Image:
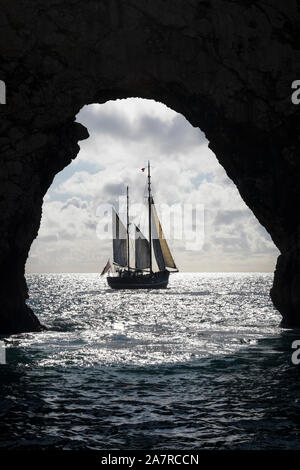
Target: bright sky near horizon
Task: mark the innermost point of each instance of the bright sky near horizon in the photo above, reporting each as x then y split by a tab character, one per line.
124	134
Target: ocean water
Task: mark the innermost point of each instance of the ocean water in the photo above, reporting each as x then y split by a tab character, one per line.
200	365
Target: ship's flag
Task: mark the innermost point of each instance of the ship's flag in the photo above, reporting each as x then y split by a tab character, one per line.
106	268
143	169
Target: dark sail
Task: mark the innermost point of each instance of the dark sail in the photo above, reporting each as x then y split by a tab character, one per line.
119	241
106	268
162	251
142	251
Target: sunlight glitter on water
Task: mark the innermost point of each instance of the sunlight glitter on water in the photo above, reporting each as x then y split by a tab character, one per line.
197	316
202	364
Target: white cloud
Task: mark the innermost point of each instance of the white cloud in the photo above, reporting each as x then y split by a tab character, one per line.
123	135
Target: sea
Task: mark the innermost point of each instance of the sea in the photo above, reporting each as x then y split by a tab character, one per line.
200	365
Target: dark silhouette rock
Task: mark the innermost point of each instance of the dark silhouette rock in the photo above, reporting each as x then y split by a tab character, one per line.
226	66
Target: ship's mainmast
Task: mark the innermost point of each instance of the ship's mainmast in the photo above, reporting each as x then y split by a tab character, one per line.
149	216
128	259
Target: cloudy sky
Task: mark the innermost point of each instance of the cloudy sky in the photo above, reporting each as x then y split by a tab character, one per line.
211	228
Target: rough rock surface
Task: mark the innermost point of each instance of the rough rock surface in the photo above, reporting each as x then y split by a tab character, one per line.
227	65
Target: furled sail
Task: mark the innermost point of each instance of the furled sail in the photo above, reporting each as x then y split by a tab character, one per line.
161	249
119	241
142	250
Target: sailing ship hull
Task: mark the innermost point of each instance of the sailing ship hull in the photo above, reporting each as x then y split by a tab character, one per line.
132	280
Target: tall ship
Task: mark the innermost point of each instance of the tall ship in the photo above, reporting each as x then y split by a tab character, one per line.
141	275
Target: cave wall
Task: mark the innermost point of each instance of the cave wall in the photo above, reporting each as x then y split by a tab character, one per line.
226	66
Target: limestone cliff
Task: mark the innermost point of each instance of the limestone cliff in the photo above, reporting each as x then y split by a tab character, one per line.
226	65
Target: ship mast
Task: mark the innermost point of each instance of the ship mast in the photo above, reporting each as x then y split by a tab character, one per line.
128	262
149	216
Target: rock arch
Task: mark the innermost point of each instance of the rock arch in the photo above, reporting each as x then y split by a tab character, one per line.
226	66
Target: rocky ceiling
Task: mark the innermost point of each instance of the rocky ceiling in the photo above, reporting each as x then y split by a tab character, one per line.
227	66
